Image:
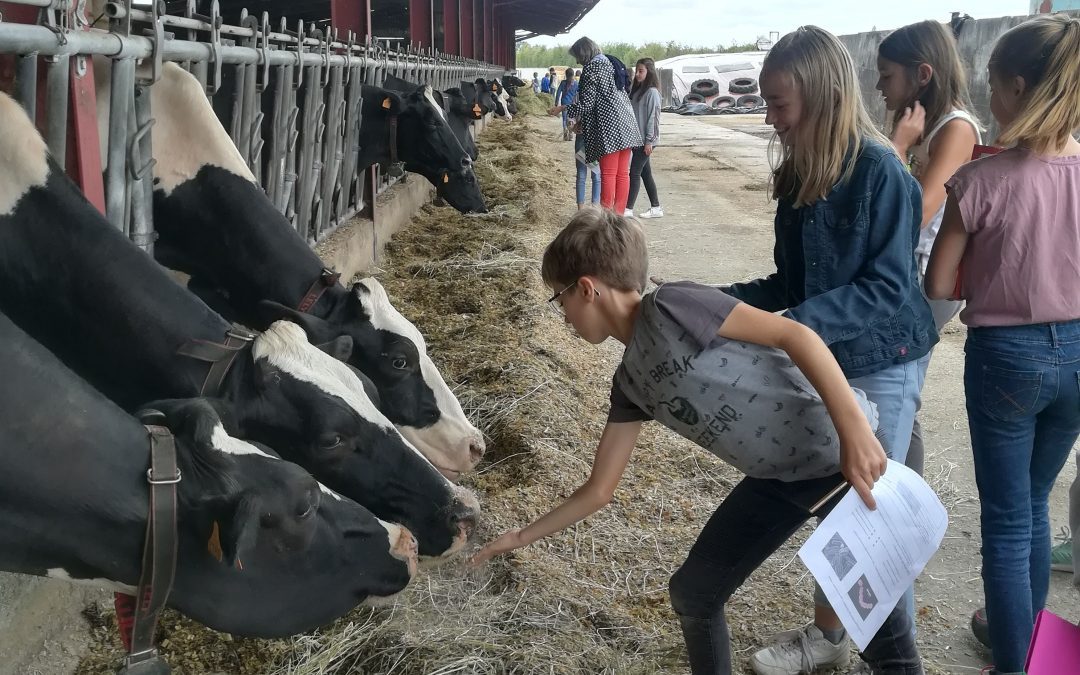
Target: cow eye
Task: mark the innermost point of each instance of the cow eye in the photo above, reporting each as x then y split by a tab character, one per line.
400	363
329	441
304	511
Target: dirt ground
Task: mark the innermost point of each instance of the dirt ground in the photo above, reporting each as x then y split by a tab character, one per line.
711	174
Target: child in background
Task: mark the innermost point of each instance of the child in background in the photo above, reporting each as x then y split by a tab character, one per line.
565	95
924	85
734	380
1014	221
847	221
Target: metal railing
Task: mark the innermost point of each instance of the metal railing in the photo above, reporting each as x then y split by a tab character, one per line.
292	95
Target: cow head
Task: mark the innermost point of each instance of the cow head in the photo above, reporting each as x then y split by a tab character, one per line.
466	102
258	533
491	93
426	144
391	351
319	413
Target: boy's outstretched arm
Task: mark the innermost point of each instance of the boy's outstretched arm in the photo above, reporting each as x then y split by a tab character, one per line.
612	455
862	460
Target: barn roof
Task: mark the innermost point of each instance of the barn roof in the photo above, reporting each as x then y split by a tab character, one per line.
543	17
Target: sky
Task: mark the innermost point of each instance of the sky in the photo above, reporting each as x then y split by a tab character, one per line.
719	22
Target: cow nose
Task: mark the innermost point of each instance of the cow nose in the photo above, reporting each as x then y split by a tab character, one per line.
466	512
476	450
406	549
466	162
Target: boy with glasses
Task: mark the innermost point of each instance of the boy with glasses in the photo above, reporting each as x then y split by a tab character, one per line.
759	391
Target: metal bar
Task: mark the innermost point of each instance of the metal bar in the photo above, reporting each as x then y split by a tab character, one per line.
139	176
123	82
332	150
25	39
26	83
348	181
56	107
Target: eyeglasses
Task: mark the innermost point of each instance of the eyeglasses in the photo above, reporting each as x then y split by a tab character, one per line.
555	304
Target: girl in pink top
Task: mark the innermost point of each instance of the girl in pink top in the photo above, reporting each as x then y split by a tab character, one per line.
1014	221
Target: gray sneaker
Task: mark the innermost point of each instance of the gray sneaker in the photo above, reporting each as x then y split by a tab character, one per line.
803	650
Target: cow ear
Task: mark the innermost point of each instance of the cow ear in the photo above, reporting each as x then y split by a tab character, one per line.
438	96
239	532
318	330
340	348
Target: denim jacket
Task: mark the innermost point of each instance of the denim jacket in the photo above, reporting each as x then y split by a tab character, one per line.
861	283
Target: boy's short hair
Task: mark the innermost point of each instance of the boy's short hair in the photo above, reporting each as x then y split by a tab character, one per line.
598	243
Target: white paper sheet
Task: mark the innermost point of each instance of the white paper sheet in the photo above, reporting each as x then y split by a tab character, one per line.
865	560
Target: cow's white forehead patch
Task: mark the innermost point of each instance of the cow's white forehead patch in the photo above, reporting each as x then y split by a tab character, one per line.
434	104
285	346
223	442
24	160
384	316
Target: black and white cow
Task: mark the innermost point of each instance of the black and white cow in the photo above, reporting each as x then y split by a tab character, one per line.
462	105
491	95
216	224
424	142
506	93
74	502
83	290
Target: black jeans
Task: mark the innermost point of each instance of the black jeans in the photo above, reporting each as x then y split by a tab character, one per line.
641	168
756	518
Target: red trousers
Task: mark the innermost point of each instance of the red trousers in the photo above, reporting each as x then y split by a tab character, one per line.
615	180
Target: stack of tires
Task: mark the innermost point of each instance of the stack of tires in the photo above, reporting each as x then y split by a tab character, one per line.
742	93
745	94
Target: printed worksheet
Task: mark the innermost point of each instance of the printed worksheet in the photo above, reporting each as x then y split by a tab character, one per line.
865	560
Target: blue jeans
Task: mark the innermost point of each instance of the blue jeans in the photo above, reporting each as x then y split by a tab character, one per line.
1022	385
583	172
897	393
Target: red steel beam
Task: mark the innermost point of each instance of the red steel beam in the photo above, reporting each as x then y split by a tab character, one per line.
354	15
451	27
478	28
465	28
489	42
421	30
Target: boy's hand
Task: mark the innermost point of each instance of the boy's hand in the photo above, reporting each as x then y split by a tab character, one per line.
504	544
862	461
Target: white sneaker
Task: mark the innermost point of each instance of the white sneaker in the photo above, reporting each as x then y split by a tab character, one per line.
803	650
654	212
628	213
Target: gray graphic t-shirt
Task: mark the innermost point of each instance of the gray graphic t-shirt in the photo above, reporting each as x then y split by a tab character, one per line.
747	404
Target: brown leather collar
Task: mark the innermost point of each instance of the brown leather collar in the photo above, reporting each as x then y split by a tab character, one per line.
326	279
219	356
159	553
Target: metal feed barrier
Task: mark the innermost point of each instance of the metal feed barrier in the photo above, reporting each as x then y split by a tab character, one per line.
290	98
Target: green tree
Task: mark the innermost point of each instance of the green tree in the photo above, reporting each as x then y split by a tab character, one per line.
538	56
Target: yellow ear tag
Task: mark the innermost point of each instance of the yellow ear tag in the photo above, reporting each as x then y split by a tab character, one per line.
445	178
386	103
213	544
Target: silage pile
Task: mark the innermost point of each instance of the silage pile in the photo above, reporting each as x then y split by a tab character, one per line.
590	600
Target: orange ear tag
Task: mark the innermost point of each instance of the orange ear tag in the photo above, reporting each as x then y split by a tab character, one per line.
494	87
213	544
386	103
476	108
